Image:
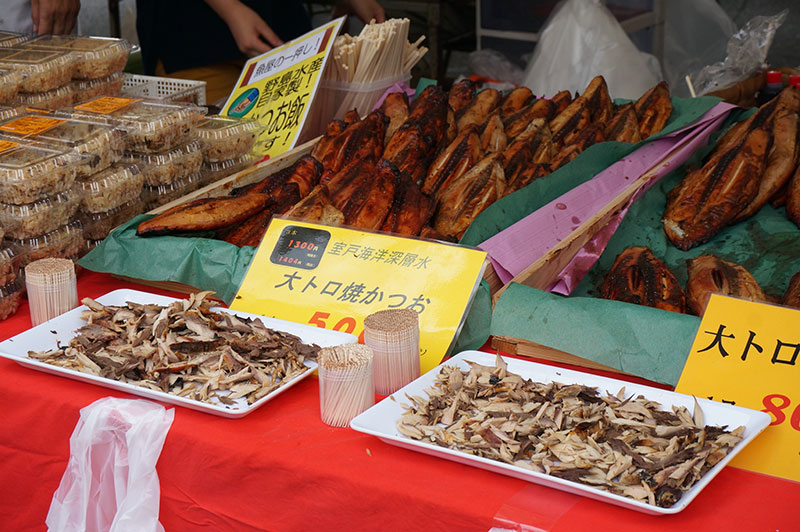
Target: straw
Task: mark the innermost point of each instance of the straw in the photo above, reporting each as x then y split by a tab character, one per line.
393	336
52	288
345	383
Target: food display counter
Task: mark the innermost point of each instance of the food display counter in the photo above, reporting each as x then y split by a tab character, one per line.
282	468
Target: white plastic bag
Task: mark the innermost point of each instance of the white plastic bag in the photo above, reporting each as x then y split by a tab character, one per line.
581	40
110	483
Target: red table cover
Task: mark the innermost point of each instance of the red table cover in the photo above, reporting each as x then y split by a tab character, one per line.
281	469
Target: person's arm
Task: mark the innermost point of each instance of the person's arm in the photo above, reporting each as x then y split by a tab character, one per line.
54	17
252	35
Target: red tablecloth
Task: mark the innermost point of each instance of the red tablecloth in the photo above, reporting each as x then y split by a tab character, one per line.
280	468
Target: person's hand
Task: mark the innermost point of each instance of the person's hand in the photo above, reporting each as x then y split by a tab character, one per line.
252	35
366	10
54	17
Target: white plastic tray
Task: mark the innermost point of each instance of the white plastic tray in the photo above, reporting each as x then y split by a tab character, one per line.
45	335
381	419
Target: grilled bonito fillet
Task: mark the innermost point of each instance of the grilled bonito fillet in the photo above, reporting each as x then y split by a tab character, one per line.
518	122
305	172
528	175
360	140
598	99
640	277
515	100
411	209
479	109
395	107
205	214
456	159
569	123
653	109
709	198
493	138
368	205
323	145
461	94
560	102
251	231
317	207
792	296
469	195
624	127
709	274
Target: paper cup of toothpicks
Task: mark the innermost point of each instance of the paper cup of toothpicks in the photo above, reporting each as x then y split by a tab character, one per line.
52	288
345	383
393	336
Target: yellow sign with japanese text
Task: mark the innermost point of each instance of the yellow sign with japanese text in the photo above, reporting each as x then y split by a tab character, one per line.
747	354
334	277
278	87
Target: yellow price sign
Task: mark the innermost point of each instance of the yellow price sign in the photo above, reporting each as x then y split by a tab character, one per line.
277	88
748	354
334	277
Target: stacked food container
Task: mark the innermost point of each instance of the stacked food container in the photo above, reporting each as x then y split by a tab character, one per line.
227	146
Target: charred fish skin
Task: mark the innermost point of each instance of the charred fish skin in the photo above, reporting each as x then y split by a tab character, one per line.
460	94
624	126
360	140
653	109
792	296
708	199
710	274
459	156
639	277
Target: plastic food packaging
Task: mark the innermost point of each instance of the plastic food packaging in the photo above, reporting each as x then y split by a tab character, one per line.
8	111
152	127
95	57
52	288
29	172
97	225
111	483
10	296
393	335
42	216
345	383
87	89
156	196
10	84
65	242
96	145
111	187
53	99
9	265
10	38
338	97
42	70
227	138
220	170
164	168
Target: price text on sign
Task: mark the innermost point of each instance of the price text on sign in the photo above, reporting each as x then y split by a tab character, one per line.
748	354
277	88
333	277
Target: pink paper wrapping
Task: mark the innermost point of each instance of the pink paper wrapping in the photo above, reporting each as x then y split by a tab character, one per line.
518	246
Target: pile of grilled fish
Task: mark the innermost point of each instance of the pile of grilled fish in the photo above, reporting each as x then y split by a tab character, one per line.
639	277
427	168
754	163
628	446
184	349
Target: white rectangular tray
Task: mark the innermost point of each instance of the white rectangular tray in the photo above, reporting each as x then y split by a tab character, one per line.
381	421
62	329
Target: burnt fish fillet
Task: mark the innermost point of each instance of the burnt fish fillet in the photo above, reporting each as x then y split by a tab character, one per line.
709	274
708	199
460	94
459	156
640	277
653	109
624	126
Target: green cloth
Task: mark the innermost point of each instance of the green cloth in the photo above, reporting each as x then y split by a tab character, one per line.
648	342
199	262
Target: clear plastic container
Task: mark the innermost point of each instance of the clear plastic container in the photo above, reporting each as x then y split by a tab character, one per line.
10	38
10	84
216	171
110	188
42	70
53	99
99	145
91	244
227	138
42	216
162	194
164	168
86	89
29	172
7	112
95	57
9	265
10	296
153	127
97	225
64	242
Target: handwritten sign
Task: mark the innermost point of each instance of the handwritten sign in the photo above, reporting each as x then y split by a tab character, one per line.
277	88
747	354
334	277
30	125
105	105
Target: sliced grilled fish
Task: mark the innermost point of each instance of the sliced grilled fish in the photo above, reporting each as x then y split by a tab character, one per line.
639	277
710	274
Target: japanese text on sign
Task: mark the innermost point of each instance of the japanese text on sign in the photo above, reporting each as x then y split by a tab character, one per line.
746	354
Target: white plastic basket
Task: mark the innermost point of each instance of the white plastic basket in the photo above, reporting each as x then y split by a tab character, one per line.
164	89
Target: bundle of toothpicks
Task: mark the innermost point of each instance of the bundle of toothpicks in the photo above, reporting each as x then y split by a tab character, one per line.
361	68
345	383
